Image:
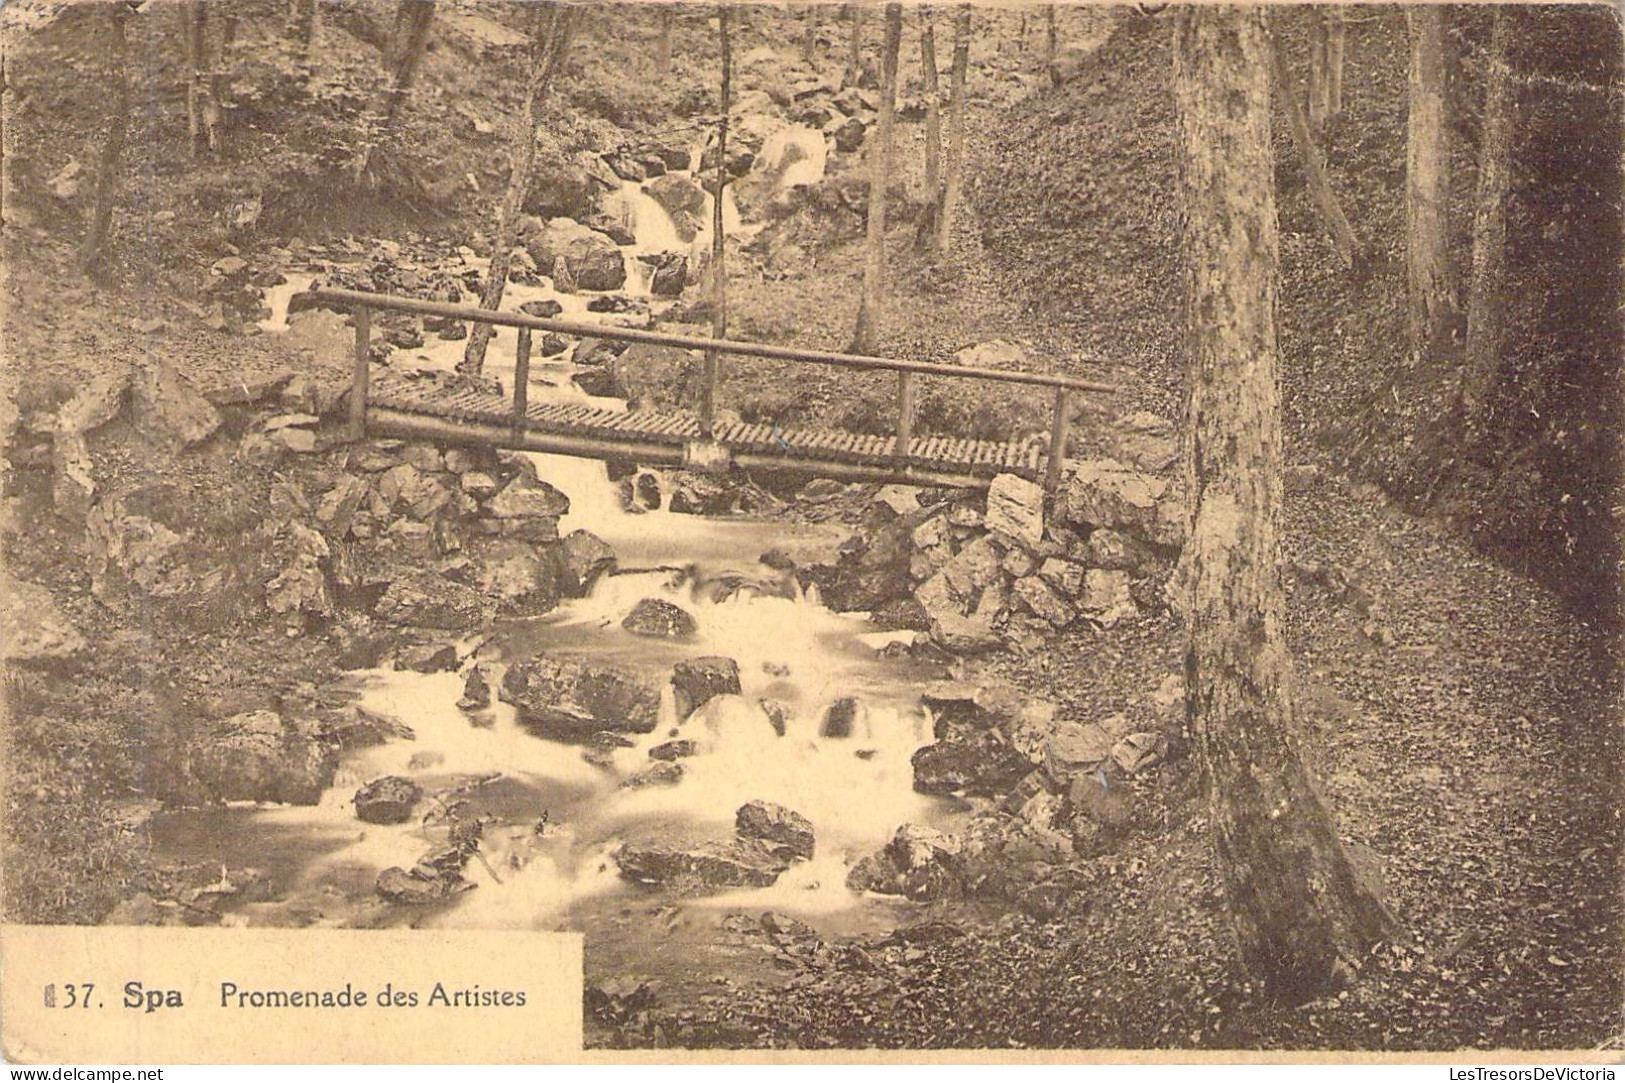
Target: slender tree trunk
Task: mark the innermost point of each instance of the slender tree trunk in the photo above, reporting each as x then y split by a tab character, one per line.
809	34
933	130
1336	46
874	266
1318	73
1049	36
1298	909
954	173
1314	168
854	52
554	24
194	32
219	77
1431	276
719	247
305	29
407	44
107	165
668	20
1486	292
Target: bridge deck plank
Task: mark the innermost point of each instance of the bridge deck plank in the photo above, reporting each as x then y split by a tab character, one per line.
433	398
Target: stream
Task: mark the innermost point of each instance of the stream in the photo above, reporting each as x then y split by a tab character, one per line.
321	862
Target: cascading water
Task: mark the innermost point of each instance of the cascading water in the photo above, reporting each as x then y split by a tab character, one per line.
856	790
278	297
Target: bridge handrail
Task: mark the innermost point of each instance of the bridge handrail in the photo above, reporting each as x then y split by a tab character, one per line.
691	342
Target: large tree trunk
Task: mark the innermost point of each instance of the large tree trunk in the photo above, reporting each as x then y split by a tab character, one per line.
719	246
933	131
1486	292
1314	167
880	157
554	24
954	174
1432	305
1297	906
107	164
407	44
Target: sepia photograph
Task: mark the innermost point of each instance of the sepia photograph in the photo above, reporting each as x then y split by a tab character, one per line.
860	526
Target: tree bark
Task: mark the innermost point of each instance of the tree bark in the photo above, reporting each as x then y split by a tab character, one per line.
107	164
874	266
1486	291
933	130
953	178
854	52
407	44
1299	912
1431	278
1314	167
719	248
554	25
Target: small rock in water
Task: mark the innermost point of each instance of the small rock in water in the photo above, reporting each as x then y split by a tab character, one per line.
659	618
673	750
778	713
840	718
387	800
427	658
543	310
476	691
663	773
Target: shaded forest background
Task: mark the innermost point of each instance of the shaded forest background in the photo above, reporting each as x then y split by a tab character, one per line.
1073	189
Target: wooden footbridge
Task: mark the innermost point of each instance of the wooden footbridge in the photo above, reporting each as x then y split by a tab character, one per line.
394	404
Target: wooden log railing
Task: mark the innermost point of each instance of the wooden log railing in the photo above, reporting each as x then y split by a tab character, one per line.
362	305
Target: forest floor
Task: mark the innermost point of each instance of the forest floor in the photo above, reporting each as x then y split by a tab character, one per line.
1462	720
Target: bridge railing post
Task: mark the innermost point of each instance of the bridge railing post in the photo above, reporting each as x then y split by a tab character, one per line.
708	395
1057	441
521	382
358	383
905	417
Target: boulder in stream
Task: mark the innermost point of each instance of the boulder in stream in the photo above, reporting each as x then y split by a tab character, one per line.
983	765
259	756
387	800
572	699
695	681
591	260
583	557
658	618
700	868
790	832
919	862
841	718
476	691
